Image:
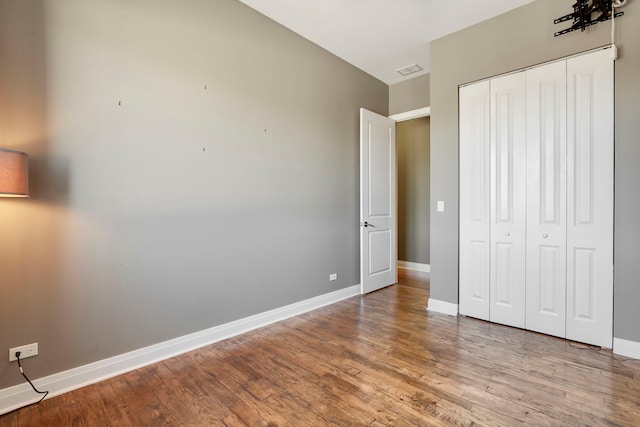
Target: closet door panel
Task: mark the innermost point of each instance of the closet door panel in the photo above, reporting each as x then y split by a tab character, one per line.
590	199
546	199
474	200
508	171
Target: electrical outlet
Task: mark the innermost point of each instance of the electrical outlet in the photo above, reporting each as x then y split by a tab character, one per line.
28	350
333	276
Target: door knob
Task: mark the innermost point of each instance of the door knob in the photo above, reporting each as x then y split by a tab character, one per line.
366	224
507	234
545	235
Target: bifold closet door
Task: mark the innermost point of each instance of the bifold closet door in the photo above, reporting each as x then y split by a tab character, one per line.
536	199
475	192
546	198
590	135
508	189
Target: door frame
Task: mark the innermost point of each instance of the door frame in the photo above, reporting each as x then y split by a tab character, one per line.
403	117
410	115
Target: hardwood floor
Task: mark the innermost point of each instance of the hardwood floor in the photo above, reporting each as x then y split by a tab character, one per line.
377	360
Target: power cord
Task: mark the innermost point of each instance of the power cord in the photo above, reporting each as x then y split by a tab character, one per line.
615	4
44	393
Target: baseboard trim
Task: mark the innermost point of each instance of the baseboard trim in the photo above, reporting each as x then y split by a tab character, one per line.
17	396
443	307
414	266
626	348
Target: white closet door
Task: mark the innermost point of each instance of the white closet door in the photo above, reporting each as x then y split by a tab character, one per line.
546	199
508	171
474	200
590	199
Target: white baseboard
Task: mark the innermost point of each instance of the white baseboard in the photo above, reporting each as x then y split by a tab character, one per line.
442	307
626	348
17	396
414	266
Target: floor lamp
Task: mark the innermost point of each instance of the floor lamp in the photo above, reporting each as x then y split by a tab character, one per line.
14	173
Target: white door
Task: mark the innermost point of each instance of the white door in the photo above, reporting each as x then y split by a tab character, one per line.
550	199
378	202
508	172
590	198
546	198
475	188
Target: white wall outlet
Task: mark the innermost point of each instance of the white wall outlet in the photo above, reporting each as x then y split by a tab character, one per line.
333	276
28	350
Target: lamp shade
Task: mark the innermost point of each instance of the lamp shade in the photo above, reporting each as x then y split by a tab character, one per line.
14	173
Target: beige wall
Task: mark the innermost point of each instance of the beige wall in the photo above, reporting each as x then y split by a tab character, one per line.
409	95
413	190
193	163
518	39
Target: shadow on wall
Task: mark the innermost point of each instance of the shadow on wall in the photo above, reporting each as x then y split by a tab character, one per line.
31	229
170	192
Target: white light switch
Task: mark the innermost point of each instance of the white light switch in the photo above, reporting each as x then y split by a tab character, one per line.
440	206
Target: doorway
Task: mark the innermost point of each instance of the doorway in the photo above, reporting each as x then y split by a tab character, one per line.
413	154
378	196
413	151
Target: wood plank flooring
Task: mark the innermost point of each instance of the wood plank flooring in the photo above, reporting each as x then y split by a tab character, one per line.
377	360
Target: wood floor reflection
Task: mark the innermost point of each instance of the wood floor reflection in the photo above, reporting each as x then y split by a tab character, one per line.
380	359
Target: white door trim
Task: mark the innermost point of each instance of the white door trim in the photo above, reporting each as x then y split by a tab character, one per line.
410	115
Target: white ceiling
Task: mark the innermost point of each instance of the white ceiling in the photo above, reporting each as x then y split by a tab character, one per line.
380	36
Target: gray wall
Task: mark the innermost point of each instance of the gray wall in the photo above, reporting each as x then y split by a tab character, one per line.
409	94
413	190
509	42
193	163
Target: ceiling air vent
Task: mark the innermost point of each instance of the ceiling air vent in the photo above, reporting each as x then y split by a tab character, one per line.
413	68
